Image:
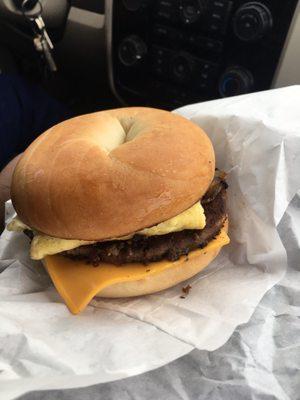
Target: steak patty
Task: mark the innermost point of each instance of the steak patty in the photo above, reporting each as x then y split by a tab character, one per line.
171	246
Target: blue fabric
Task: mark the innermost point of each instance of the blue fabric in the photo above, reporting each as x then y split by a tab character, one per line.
25	112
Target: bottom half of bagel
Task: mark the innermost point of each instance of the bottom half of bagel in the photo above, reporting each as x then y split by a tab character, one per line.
78	282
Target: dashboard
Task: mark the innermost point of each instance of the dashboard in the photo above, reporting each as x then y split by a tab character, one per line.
168	53
162	53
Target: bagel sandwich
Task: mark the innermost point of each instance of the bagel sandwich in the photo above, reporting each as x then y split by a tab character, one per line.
120	203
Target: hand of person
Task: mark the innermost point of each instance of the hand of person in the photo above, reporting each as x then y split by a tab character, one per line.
5	182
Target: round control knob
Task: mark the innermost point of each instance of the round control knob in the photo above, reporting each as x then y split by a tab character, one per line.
192	10
252	21
235	81
181	68
132	50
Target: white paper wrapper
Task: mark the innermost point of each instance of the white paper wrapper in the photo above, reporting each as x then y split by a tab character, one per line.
257	139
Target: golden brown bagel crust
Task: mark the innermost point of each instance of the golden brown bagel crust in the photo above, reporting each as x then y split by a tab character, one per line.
79	180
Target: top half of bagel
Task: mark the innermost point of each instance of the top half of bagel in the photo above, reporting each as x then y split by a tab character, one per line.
112	173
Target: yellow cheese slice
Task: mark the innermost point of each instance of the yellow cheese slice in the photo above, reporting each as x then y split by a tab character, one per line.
78	282
43	245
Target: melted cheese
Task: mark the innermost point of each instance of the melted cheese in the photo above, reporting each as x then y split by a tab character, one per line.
43	245
78	282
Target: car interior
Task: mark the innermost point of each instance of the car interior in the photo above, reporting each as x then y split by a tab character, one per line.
148	254
161	53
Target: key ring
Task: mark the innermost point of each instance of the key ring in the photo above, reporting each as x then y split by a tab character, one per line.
31	17
24	11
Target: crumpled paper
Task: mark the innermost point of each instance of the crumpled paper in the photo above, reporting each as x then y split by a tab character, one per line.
261	360
257	140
